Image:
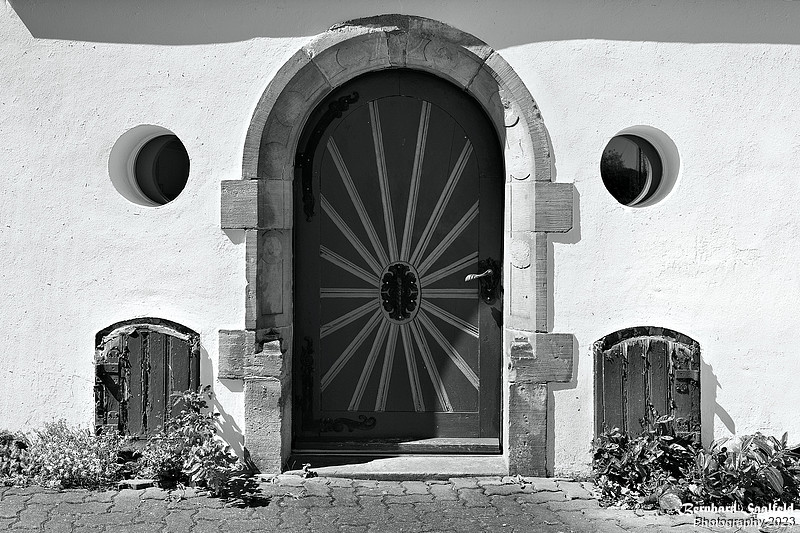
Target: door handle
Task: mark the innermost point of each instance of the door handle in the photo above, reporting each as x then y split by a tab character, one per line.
489	279
473	277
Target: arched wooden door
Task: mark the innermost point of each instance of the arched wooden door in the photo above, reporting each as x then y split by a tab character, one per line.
399	198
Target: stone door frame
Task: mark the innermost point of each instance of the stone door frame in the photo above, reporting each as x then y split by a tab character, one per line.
261	205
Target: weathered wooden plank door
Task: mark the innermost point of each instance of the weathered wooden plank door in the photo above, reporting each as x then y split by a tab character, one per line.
645	371
399	198
137	370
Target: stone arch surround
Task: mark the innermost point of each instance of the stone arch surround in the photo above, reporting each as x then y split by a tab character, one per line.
261	204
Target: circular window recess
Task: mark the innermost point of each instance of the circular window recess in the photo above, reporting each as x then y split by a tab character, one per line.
149	165
639	166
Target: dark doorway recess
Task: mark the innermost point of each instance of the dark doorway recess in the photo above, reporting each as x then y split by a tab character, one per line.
643	371
399	198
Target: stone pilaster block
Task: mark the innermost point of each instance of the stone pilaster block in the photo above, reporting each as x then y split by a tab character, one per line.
267	413
527	435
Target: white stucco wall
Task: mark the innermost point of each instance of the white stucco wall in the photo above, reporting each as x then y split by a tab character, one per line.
716	260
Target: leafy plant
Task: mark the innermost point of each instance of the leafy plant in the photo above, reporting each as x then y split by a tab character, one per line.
756	470
14	458
187	448
635	471
65	457
639	471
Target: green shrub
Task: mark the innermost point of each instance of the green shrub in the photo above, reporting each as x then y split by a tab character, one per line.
635	471
757	470
65	457
187	448
638	471
14	458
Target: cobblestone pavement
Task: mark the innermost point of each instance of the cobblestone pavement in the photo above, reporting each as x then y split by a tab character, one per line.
292	503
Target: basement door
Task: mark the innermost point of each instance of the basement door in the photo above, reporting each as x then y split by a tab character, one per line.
398	247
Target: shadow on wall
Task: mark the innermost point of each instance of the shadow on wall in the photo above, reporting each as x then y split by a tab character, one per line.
551	406
185	22
710	410
229	430
573	236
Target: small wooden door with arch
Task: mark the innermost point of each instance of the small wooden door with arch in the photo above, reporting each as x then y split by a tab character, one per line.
398	201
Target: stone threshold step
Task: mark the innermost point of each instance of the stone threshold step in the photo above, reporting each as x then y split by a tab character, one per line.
406	467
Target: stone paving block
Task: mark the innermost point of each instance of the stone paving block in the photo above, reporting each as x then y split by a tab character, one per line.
542	497
309	502
105	496
241	526
27	491
142	527
409	498
502	490
112	518
608	526
179	523
494	480
574	490
317	525
129	494
267	512
293	517
344	496
6	522
540	513
397	527
152	511
355	517
353	529
339	482
443	493
415	487
505	505
228	513
573	505
10	509
74	495
474	498
389	488
542	483
206	526
59	524
464	483
290	480
402	513
317	489
154	493
45	497
31	519
82	508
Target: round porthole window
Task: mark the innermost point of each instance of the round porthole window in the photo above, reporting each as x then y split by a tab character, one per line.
162	168
149	165
631	169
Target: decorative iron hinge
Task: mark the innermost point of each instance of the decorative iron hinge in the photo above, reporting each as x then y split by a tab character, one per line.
304	160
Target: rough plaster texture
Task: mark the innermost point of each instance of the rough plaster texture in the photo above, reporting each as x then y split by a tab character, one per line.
717	259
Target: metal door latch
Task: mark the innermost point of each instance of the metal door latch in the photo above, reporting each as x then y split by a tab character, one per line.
489	279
